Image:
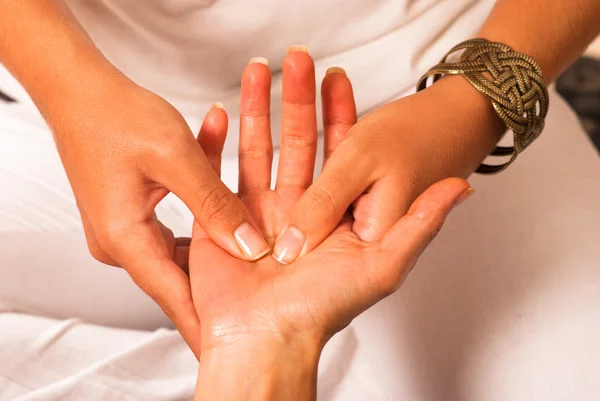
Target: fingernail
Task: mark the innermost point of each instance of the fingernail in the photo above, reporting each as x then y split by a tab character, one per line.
297	48
260	60
251	241
336	70
289	245
464	196
218	105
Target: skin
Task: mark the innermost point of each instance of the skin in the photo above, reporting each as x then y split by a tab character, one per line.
264	324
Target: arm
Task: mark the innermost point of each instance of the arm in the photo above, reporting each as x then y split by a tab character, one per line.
47	50
554	33
446	130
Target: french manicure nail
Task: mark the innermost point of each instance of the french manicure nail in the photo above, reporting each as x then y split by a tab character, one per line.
289	245
464	196
251	241
335	70
298	48
259	60
218	105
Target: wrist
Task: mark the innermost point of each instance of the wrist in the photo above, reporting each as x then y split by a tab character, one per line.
455	93
265	367
82	78
460	130
70	74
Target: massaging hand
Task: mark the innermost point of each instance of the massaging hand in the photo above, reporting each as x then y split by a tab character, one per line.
389	158
252	310
124	149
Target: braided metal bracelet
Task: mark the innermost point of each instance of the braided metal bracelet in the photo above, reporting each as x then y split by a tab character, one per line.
516	90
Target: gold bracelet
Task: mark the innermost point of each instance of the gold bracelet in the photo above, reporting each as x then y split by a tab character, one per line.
516	90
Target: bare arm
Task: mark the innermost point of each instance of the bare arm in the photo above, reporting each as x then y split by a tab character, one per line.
47	50
554	33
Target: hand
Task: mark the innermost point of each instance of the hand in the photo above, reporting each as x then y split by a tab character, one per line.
389	158
261	319
124	149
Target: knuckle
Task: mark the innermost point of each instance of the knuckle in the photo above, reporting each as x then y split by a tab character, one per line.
392	281
428	224
170	150
389	276
219	204
296	140
109	234
256	153
98	251
323	204
433	233
98	254
255	113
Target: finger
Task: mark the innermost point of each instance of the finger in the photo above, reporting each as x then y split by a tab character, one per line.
256	146
181	253
339	109
178	248
402	245
377	211
212	135
147	258
319	210
298	120
190	176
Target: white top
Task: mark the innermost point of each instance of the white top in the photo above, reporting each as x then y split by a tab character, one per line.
192	52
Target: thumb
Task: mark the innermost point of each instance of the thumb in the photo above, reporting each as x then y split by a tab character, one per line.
216	209
320	209
402	245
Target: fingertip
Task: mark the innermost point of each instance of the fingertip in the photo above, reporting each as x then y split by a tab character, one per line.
466	194
336	86
214	128
256	88
442	196
290	245
336	70
299	62
338	106
251	241
257	68
258	60
216	119
366	230
297	48
212	135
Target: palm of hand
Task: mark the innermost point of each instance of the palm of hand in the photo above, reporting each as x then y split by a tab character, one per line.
323	291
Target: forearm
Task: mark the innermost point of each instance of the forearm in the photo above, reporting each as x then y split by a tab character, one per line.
554	33
464	127
258	371
45	48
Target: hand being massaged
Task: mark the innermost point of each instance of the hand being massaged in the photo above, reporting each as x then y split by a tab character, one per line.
268	319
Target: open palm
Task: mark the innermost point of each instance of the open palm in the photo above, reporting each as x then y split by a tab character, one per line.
323	291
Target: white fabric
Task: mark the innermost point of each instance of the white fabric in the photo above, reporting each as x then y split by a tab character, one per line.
503	305
193	51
